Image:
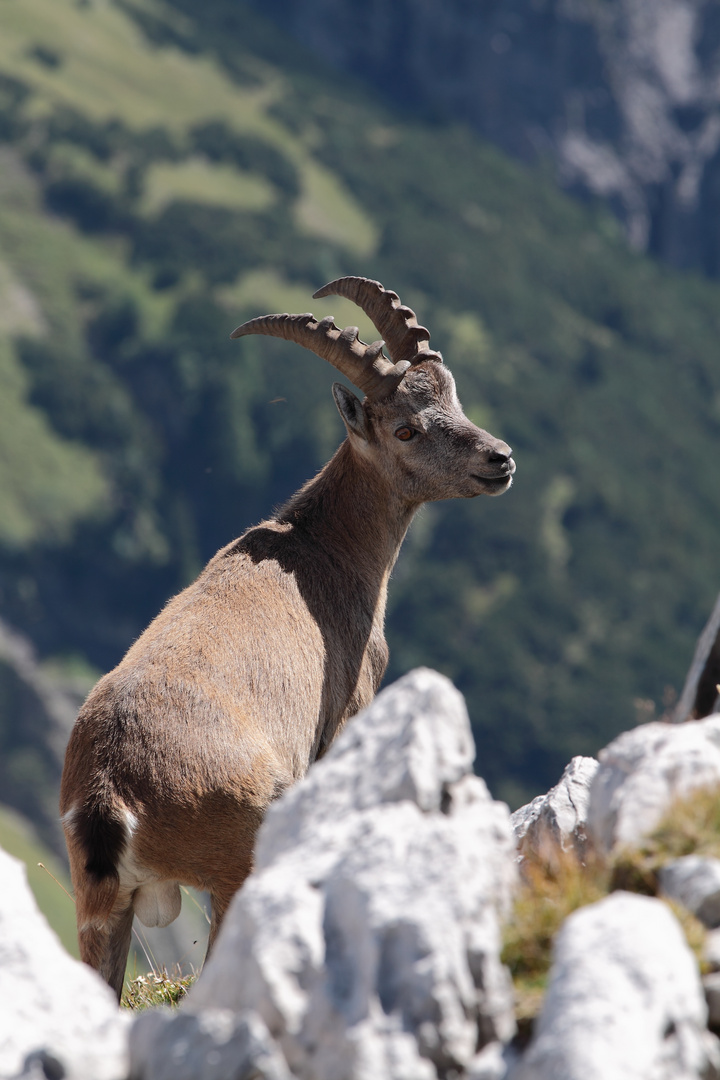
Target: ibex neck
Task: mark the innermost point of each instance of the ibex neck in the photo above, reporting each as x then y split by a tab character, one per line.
350	509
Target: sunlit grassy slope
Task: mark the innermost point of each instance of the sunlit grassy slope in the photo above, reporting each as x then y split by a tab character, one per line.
107	69
168	171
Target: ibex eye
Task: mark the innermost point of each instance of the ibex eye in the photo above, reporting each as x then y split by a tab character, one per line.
404	433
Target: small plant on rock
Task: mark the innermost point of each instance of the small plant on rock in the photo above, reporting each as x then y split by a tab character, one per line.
156	988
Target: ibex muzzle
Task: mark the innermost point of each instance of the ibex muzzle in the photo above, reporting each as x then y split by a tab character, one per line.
246	677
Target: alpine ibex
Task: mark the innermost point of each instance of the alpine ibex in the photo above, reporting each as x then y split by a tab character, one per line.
246	677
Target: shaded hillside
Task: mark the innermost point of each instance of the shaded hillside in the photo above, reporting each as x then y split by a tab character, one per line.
165	177
620	96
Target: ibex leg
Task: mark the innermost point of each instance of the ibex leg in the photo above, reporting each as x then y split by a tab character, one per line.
106	947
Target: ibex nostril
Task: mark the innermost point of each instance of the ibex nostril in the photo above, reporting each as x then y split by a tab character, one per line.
499	455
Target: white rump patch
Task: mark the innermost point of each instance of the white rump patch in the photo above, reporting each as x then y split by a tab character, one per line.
157	903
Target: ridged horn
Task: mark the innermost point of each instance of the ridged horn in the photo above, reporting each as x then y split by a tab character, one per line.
405	339
364	365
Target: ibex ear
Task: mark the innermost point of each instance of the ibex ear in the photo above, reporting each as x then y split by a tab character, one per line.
351	410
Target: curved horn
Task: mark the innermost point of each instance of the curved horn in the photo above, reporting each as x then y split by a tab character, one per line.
364	365
406	339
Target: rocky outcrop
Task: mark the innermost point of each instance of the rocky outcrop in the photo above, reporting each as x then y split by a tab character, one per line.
558	820
643	770
58	1019
216	1044
694	881
700	695
366	942
623	95
624	1000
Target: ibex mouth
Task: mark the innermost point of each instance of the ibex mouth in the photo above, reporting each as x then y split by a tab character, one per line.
498	483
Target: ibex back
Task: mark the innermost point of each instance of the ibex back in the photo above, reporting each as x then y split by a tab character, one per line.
246	677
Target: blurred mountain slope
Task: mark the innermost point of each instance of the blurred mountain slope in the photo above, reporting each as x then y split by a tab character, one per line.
169	173
620	96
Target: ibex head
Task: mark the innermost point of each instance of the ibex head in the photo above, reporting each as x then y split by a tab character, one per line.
410	424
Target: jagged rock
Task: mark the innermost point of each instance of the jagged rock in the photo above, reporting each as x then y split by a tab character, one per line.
367	939
643	770
411	744
58	1018
491	1063
695	881
711	950
558	819
624	1000
214	1045
700	695
711	986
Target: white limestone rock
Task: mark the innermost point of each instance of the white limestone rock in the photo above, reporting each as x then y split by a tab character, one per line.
643	770
624	1000
694	880
410	744
491	1063
214	1045
57	1017
367	939
558	820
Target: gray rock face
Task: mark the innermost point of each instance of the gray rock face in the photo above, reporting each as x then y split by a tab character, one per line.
711	950
624	1000
57	1018
695	882
643	770
558	820
367	939
623	94
711	986
214	1045
700	695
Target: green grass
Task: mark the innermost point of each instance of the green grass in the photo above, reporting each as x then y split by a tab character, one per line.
109	70
204	182
326	210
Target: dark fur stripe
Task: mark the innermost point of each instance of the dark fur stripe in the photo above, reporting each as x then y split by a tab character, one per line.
102	838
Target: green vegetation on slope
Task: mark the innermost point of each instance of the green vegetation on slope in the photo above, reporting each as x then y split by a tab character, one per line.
169	173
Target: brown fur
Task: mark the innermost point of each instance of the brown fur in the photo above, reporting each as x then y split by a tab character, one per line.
246	677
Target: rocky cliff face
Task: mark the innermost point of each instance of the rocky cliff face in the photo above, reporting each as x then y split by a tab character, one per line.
622	96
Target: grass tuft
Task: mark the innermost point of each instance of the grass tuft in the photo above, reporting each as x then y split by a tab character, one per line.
554	884
551	889
691	826
156	988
